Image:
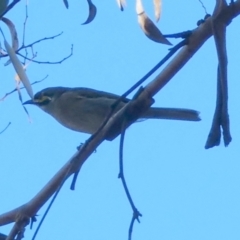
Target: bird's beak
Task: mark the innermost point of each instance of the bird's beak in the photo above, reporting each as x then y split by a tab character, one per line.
29	102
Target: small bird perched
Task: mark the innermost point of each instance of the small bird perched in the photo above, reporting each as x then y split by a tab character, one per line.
85	109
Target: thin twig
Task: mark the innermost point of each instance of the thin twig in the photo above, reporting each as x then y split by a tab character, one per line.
38	41
130	230
5	128
24	29
30	45
34	54
136	213
184	35
25	23
203	6
75	175
48	62
47	210
14	90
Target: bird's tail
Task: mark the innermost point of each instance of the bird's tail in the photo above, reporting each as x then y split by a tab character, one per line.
172	114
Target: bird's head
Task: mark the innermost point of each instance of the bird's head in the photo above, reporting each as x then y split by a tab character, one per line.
46	98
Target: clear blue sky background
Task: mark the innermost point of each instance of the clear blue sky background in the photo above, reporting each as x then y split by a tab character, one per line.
183	191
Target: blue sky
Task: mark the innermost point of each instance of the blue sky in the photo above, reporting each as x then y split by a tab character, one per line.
183	191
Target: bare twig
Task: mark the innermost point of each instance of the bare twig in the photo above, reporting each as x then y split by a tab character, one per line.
5	128
75	175
30	45
14	90
38	41
49	207
203	6
24	29
33	220
136	213
25	23
48	62
34	54
184	35
130	230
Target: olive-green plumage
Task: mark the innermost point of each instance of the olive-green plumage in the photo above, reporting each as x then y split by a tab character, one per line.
84	109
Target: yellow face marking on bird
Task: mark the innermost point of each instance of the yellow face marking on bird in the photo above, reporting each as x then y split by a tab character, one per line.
42	99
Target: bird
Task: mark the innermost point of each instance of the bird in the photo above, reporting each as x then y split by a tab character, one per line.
84	109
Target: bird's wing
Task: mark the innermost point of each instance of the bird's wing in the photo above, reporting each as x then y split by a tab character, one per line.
92	93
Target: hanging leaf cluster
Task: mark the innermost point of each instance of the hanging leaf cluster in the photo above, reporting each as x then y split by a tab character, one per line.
146	24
